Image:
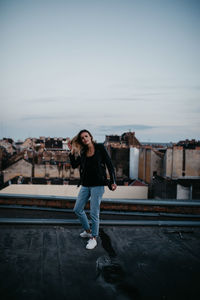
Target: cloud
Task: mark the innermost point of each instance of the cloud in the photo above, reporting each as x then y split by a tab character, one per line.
48	99
116	128
128	99
137	97
36	117
47	117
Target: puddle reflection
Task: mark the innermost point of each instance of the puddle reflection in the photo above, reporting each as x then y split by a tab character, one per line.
110	272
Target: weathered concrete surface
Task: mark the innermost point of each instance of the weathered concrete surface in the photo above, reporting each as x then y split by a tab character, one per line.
54	171
149	162
192	158
173	163
24	168
21	167
183	192
51	262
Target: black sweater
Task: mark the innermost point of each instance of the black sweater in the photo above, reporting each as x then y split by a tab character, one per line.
101	160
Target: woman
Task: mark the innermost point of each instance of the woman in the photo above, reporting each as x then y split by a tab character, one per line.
92	160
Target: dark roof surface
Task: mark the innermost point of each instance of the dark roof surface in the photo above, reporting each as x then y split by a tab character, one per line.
51	262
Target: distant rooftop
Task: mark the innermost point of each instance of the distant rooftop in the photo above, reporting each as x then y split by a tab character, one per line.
157	144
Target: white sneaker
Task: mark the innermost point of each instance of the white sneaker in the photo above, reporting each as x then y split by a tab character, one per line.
91	244
85	234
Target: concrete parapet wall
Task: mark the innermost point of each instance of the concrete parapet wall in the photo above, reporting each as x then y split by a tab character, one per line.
122	192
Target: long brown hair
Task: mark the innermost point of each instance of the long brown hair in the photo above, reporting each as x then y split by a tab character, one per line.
77	143
79	137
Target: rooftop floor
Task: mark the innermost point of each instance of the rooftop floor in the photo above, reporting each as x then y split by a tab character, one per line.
51	262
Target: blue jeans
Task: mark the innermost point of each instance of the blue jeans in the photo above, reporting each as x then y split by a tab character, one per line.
95	194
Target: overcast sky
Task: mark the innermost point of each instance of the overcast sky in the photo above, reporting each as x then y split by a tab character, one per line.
109	66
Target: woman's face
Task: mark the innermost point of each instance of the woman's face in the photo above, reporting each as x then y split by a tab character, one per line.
86	138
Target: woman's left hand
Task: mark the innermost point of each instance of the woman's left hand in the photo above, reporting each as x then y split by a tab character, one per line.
114	186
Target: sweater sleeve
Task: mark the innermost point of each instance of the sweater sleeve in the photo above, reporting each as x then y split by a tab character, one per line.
109	164
75	162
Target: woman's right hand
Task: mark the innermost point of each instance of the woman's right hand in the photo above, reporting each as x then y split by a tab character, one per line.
114	186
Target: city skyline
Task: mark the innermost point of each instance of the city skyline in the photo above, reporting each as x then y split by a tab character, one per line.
106	66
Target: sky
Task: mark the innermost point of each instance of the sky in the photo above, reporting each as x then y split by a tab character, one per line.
108	66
